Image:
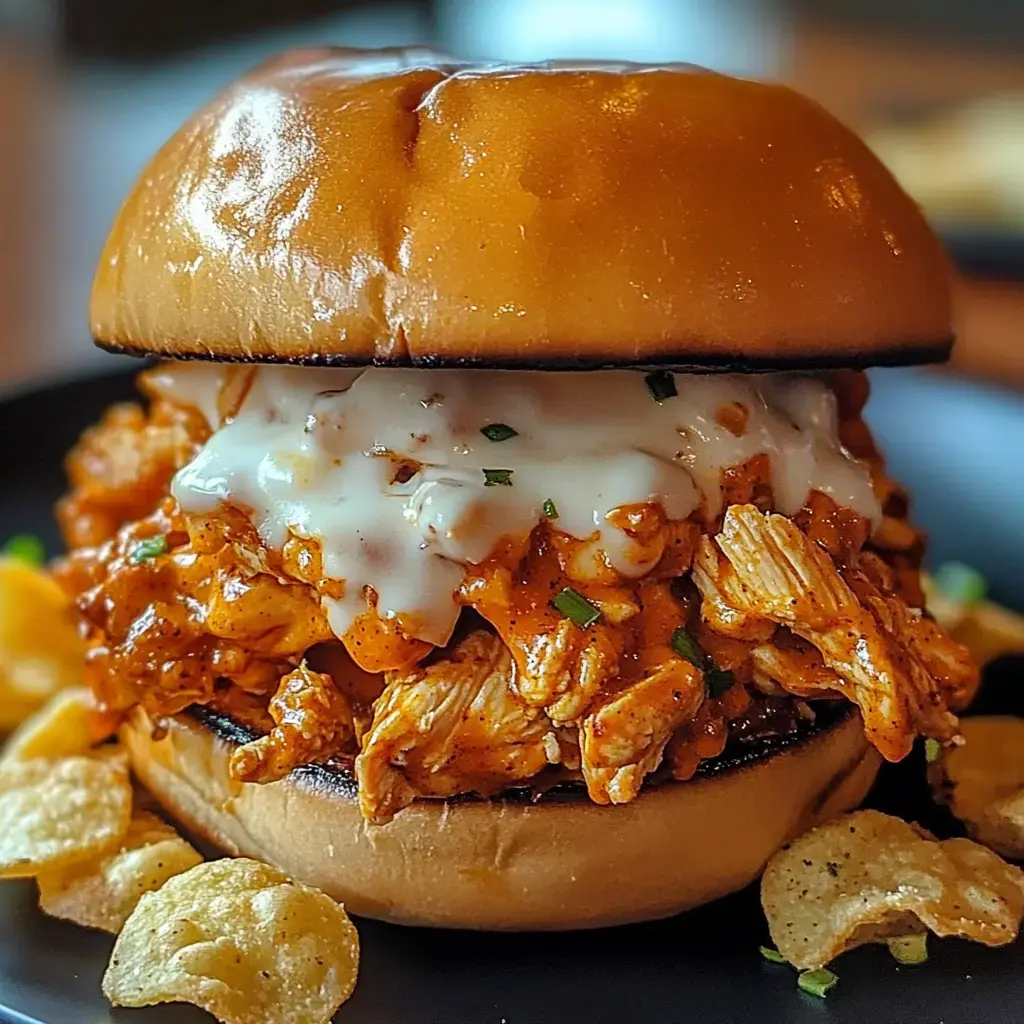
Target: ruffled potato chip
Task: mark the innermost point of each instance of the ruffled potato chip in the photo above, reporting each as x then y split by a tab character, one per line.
240	940
868	877
56	812
40	650
102	893
983	781
68	725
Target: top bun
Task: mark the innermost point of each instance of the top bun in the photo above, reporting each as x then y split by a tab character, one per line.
349	207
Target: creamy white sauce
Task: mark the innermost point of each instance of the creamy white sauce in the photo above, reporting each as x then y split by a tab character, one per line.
194	384
304	454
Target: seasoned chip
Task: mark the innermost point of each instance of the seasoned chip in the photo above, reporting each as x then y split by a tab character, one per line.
868	877
239	939
102	893
983	781
56	812
40	650
68	725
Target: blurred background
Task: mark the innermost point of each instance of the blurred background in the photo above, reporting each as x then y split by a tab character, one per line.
90	88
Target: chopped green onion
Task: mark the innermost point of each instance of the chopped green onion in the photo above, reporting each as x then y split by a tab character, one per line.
576	607
772	955
147	549
498	432
719	680
909	949
25	548
932	750
661	385
549	509
817	983
686	647
961	583
497	478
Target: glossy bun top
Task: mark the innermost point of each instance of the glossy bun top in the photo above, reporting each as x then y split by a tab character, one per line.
340	206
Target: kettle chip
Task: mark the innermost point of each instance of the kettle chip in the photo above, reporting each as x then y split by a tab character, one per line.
982	780
869	877
67	725
238	939
40	649
56	812
102	893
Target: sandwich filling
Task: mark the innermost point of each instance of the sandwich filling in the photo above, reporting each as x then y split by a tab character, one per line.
470	580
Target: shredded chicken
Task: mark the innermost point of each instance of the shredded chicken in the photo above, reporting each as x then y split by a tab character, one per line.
624	739
452	725
179	610
947	662
722	618
594	666
791	665
121	469
764	565
360	687
164	629
312	720
547	664
559	666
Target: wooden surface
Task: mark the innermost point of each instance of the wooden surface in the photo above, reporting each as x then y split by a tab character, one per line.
860	77
990	331
17	83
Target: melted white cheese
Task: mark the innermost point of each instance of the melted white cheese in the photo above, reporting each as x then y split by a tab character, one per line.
306	453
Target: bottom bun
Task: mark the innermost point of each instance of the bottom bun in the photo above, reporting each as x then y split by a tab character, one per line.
507	863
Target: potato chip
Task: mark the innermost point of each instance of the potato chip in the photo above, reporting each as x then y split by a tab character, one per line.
987	630
56	812
102	893
40	650
239	939
990	631
26	684
68	725
867	877
983	781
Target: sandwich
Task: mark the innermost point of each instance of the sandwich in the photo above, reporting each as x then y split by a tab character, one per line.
501	544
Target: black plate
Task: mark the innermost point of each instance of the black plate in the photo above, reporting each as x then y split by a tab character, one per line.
703	966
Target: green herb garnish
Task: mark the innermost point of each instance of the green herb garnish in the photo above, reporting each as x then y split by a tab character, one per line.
25	548
817	983
909	949
772	955
497	478
932	750
661	385
498	432
575	606
961	583
549	509
718	679
147	549
686	647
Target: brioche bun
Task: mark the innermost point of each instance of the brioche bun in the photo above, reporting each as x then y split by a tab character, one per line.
508	864
349	207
